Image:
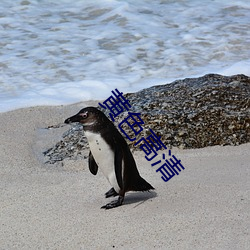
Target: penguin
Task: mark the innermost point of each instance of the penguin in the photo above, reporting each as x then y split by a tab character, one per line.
110	152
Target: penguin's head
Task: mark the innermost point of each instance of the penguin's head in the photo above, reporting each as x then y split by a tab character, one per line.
88	117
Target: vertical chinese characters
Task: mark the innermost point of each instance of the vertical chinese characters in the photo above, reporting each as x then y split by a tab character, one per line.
117	104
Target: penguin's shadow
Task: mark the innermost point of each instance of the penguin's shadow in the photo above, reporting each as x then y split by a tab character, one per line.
137	198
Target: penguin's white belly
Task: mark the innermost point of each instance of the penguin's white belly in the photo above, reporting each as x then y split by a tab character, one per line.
104	157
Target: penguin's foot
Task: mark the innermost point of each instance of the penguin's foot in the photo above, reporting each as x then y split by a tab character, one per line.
111	193
113	204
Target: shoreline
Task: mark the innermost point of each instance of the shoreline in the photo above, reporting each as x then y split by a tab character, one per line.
58	207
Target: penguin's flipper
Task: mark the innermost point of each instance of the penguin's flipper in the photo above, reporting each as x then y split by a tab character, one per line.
118	166
111	193
93	167
113	204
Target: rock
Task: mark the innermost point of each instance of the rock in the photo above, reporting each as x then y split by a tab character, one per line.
190	113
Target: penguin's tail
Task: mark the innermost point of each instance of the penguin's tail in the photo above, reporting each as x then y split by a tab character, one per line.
141	185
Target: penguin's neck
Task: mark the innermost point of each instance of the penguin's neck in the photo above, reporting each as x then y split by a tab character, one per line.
94	127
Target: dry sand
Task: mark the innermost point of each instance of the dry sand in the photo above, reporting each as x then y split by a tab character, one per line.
58	207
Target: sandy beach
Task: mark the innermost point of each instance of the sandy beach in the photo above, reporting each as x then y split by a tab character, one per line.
46	206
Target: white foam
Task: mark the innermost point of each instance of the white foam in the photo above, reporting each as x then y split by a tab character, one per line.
63	52
242	67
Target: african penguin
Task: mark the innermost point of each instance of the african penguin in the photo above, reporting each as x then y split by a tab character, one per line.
110	152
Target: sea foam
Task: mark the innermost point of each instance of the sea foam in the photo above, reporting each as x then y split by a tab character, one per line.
63	52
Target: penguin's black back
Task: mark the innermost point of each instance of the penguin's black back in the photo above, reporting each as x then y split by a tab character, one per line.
132	180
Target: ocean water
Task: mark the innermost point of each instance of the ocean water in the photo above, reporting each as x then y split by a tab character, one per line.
61	52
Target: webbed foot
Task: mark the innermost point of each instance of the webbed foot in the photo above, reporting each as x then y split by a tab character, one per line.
111	193
113	204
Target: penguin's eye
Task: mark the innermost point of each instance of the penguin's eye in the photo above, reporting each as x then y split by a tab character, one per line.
84	115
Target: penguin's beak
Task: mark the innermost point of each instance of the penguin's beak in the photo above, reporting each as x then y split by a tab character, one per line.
74	118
